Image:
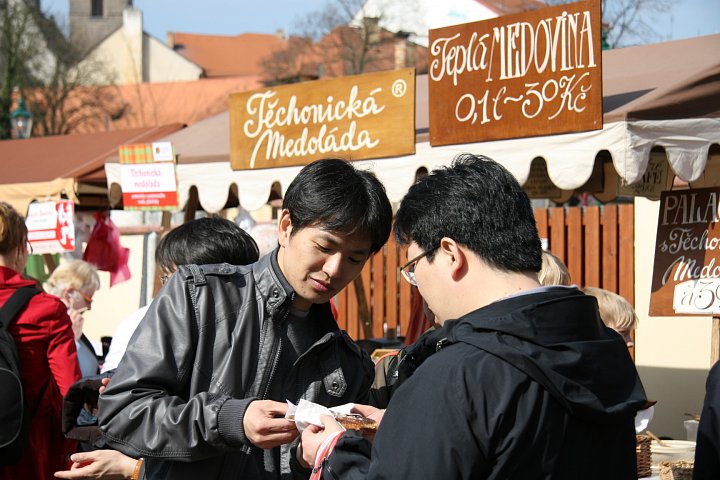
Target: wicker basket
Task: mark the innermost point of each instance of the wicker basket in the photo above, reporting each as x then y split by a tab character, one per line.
680	470
644	460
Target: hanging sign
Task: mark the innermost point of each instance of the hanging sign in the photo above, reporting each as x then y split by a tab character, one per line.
51	226
653	182
355	117
533	73
147	176
686	273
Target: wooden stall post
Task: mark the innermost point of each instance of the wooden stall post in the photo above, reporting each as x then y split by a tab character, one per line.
715	341
363	312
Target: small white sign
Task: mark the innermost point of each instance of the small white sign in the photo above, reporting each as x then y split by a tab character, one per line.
697	296
162	152
51	226
148	177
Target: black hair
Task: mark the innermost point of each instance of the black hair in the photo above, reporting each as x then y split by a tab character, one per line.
479	204
203	241
333	195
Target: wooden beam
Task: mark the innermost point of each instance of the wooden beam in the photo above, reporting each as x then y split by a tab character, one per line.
715	341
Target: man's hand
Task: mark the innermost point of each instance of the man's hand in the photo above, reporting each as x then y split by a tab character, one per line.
313	437
369	411
264	426
105	464
372	413
104	381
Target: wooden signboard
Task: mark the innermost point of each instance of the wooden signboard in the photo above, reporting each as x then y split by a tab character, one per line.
653	182
356	117
686	273
534	73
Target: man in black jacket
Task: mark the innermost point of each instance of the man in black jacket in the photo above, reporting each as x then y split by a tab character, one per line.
526	383
201	390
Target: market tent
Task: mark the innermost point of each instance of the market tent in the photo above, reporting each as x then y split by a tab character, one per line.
664	95
70	165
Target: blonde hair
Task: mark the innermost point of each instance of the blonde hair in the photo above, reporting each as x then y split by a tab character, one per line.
13	232
615	311
77	274
553	271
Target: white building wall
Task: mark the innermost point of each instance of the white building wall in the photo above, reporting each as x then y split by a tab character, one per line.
163	64
130	56
672	353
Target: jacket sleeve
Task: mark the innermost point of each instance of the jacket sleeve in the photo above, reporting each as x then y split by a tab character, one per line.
430	421
707	451
350	459
61	352
149	408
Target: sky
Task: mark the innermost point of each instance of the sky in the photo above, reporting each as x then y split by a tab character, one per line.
687	18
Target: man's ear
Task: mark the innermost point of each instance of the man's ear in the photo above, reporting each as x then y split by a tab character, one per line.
454	256
284	227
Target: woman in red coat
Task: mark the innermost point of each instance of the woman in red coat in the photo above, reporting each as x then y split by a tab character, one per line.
48	359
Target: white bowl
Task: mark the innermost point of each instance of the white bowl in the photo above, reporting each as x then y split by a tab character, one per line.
673	451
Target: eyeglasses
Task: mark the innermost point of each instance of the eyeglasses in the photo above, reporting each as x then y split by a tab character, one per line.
408	270
88	299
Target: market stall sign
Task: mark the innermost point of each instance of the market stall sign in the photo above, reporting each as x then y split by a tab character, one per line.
653	182
534	73
686	273
355	118
51	226
147	176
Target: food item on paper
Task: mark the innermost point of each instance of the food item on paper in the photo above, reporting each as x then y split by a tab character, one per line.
354	421
350	421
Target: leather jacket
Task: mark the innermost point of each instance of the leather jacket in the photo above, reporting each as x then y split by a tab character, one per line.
206	348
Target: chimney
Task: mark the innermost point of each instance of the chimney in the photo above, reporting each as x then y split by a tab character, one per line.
280	33
133	30
372	29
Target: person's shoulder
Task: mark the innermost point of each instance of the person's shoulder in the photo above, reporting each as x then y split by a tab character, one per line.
467	361
43	308
198	274
47	303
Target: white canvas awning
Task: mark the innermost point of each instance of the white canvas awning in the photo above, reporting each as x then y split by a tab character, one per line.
664	95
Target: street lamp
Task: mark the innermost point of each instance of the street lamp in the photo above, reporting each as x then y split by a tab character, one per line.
21	120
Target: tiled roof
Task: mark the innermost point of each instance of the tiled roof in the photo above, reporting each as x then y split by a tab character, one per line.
223	56
80	156
152	104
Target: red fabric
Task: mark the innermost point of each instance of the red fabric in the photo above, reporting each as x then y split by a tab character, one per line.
418	320
104	250
46	346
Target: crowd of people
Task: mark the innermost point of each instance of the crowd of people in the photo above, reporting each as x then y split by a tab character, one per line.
522	376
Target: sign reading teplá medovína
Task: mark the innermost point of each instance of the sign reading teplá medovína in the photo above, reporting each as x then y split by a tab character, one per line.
533	73
357	117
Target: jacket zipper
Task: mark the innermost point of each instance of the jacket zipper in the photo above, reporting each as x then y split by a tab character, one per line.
277	350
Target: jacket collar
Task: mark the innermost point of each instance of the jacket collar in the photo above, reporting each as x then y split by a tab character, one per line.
278	294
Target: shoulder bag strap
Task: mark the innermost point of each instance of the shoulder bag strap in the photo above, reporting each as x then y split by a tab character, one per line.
15	304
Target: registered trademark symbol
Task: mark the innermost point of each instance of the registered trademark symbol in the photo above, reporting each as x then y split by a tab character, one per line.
399	87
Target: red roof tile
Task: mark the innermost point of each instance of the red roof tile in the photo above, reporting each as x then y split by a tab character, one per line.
153	104
223	56
80	156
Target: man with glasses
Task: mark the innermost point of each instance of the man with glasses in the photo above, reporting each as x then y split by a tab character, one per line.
526	382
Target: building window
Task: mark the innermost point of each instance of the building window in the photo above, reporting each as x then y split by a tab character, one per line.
96	8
